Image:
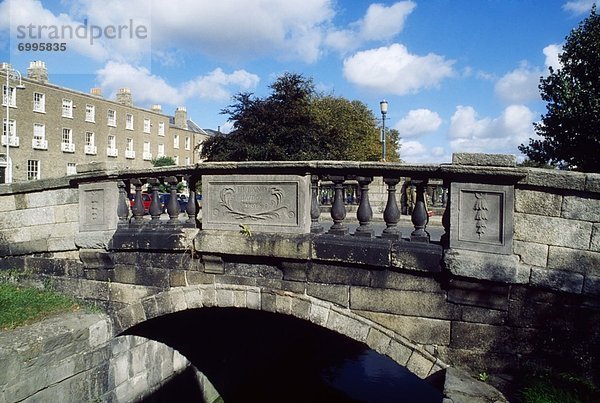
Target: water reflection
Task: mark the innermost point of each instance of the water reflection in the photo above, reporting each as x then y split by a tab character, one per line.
260	356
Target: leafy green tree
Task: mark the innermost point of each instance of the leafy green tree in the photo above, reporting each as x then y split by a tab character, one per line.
163	161
571	127
295	123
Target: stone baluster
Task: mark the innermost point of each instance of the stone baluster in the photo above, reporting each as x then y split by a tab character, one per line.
138	205
123	204
192	206
338	209
420	217
391	214
155	209
315	207
173	206
364	214
445	239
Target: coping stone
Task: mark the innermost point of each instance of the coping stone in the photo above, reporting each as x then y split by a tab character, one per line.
480	159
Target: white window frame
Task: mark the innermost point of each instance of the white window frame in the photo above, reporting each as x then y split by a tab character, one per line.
176	141
147	155
12	128
67	108
67	144
111	120
111	146
147	125
187	143
71	168
33	169
90	143
38	141
188	161
39	102
12	93
161	128
129	121
176	159
90	113
161	151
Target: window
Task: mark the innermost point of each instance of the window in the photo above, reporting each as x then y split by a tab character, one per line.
90	143
12	129
39	137
111	150
146	125
176	159
33	169
188	161
9	133
129	122
161	128
147	154
187	143
39	102
112	118
129	152
67	141
161	151
71	168
67	108
176	141
90	113
9	95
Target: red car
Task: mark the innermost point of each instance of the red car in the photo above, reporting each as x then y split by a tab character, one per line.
146	200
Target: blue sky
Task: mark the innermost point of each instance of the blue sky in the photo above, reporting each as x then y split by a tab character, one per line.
459	75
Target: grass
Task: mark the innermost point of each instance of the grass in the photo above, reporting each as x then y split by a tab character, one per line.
558	388
21	305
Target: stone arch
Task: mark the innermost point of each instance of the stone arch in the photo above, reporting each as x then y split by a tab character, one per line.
322	313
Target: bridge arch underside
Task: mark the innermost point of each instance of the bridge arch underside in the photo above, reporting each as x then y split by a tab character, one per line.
209	313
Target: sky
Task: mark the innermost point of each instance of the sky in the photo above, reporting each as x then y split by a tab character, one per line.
458	75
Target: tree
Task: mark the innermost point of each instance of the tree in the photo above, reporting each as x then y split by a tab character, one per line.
571	126
295	123
163	161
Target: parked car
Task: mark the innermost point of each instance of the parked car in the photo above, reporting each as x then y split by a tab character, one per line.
164	201
146	200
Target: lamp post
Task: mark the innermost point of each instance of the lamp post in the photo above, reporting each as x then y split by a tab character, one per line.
15	74
383	107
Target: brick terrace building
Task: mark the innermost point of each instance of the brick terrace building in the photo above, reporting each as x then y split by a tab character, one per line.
52	129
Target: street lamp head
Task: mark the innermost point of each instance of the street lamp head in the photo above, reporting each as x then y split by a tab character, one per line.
383	107
20	87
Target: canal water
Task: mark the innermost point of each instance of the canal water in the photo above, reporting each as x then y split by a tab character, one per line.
254	356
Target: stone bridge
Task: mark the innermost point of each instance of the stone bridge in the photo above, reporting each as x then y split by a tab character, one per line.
514	280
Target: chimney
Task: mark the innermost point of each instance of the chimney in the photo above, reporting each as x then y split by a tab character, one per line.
96	91
124	97
156	108
37	71
181	117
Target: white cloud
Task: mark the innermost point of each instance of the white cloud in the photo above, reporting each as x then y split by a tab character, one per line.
469	133
417	122
578	7
100	31
148	88
235	30
519	85
415	152
394	70
552	52
379	23
215	85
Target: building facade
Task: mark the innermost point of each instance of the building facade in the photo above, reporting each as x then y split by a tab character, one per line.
51	129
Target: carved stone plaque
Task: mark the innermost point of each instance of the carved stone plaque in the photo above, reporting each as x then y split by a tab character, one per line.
267	203
97	206
481	217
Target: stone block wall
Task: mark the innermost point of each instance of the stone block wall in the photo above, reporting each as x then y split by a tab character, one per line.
557	231
74	358
40	216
